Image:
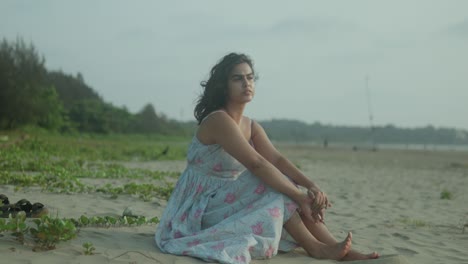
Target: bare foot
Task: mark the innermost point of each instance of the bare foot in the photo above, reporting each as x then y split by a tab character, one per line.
354	255
335	252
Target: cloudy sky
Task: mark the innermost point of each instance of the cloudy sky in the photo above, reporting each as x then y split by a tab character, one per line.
312	56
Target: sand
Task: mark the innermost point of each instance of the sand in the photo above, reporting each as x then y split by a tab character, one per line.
389	199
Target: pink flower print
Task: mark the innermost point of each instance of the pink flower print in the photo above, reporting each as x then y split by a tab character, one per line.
241	259
291	207
177	234
269	252
250	206
199	161
219	246
251	248
275	212
193	243
199	188
260	188
230	198
198	213
257	229
218	167
183	217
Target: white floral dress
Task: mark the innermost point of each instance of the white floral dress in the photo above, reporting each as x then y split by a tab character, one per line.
221	212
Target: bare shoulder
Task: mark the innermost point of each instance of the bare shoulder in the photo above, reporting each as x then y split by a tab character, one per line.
212	124
221	129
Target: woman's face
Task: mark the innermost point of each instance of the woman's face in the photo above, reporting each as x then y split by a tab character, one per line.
241	85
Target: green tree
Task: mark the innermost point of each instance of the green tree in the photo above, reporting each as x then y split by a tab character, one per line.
72	89
51	115
25	96
147	120
86	115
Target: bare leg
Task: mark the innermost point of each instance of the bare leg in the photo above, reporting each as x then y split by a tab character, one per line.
312	246
320	231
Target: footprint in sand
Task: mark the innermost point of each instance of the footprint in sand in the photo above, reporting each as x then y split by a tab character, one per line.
401	236
406	251
145	234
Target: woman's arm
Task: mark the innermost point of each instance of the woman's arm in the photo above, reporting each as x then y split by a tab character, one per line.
222	129
265	148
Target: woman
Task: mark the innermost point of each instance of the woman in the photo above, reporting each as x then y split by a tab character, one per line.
233	202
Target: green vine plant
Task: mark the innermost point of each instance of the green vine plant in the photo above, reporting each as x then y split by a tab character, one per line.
110	221
59	164
56	167
447	195
48	231
16	225
88	248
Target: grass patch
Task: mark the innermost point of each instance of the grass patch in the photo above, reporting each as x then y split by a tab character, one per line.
58	163
446	195
413	222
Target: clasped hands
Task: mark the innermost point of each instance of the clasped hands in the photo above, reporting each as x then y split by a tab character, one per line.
314	204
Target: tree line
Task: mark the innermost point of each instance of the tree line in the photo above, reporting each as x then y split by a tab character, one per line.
297	131
32	95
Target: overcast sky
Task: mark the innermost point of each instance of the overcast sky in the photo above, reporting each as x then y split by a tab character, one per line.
312	56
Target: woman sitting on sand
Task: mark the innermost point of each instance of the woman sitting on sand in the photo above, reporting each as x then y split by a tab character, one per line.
233	202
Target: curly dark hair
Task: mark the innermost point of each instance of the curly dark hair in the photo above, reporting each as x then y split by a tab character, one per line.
215	93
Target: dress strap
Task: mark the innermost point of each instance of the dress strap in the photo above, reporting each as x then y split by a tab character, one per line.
215	111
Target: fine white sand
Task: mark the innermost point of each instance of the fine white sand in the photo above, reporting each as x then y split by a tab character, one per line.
389	199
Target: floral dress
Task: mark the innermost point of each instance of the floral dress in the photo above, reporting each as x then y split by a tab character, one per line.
219	211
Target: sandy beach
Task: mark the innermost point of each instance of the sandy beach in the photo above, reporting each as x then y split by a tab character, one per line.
389	199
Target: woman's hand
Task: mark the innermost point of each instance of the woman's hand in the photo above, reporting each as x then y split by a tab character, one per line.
319	203
305	209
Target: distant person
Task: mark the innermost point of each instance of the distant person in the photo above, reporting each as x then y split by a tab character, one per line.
233	202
